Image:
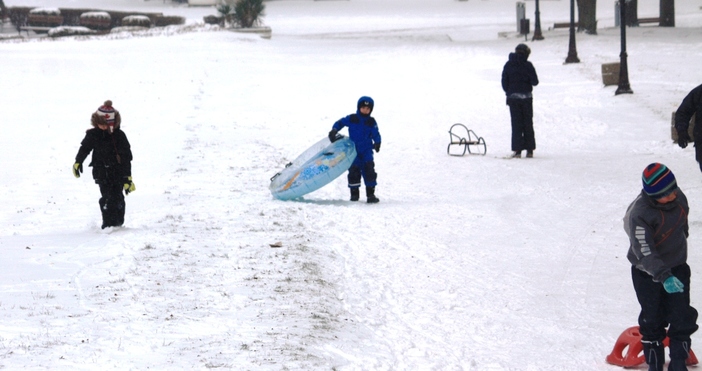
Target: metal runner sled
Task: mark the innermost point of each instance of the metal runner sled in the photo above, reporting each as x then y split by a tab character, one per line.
471	142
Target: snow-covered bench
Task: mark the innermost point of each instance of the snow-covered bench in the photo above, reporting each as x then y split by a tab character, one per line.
35	29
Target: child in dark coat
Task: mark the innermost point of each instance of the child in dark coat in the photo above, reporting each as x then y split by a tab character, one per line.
111	162
657	226
363	131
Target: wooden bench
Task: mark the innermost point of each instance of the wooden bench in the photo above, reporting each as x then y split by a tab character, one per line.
649	20
32	28
468	141
563	25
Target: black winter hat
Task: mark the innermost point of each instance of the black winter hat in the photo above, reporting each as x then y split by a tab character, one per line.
522	49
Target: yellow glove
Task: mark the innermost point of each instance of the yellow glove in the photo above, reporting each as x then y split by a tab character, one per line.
77	169
129	185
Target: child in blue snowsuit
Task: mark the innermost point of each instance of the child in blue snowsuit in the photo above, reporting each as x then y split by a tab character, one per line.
363	131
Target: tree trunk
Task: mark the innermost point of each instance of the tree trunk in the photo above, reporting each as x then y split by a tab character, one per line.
587	16
667	13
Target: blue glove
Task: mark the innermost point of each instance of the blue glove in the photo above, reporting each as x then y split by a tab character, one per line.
376	147
673	285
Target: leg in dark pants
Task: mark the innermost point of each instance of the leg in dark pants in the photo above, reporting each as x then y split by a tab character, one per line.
658	309
517	116
698	154
652	322
683	320
528	116
370	177
354	176
112	204
522	113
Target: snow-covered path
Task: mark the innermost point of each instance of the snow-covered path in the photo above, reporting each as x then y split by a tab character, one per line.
467	263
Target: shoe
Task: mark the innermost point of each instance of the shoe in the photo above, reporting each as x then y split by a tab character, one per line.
530	154
654	355
370	195
354	194
516	154
677	365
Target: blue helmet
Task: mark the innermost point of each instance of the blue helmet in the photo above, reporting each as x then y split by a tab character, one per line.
365	102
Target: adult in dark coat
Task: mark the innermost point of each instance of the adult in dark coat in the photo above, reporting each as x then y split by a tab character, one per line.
691	105
111	163
518	79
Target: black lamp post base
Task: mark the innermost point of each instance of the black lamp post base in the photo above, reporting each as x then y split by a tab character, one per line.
572	58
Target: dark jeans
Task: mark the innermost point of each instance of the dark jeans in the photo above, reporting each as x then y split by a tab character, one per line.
522	114
112	204
660	309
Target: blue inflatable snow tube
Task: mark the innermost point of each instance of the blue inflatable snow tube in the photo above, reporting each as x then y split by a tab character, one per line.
314	169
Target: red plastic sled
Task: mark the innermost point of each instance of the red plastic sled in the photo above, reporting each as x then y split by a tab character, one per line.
630	340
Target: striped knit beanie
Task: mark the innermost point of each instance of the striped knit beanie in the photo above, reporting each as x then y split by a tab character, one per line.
107	112
658	180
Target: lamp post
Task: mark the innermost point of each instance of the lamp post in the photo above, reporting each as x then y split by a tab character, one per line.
572	53
537	24
623	87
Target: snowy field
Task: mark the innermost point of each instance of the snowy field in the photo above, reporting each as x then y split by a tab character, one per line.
467	263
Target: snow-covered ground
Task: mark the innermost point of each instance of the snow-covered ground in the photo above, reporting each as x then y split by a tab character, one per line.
467	263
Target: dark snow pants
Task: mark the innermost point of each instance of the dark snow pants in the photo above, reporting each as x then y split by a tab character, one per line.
363	166
698	154
112	204
522	113
660	309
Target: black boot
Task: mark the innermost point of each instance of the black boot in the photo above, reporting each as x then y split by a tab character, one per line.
679	351
654	354
354	194
106	217
370	195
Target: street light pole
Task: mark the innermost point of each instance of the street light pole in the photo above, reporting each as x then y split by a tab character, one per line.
624	87
537	25
572	53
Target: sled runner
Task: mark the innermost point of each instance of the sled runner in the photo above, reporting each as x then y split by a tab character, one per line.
471	142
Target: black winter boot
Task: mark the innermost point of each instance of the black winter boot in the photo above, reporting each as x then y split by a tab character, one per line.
679	351
677	365
354	194
370	195
654	354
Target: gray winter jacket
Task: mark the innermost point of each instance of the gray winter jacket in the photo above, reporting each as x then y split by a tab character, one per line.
657	234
